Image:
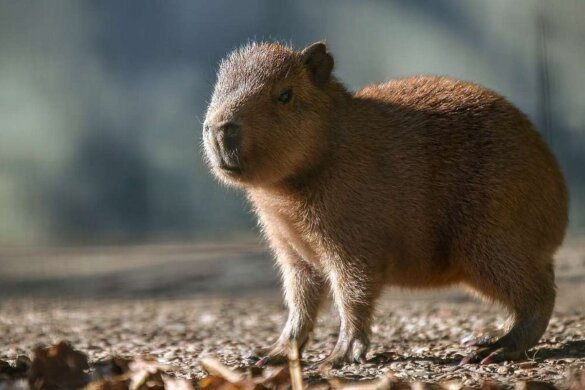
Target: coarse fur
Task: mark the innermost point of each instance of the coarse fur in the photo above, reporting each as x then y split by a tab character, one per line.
418	182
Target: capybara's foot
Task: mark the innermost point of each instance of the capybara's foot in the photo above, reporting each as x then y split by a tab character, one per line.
276	355
347	350
493	353
484	340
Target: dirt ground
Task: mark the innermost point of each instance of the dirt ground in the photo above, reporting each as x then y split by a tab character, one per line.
179	303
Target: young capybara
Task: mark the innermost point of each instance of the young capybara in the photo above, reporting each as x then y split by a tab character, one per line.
420	182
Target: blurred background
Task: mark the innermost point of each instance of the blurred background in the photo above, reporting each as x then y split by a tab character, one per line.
102	184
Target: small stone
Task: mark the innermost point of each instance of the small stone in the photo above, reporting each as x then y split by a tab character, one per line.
528	364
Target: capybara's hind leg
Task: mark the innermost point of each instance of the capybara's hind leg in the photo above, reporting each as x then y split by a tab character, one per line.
529	294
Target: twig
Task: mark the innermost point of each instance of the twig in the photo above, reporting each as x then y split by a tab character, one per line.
214	366
294	365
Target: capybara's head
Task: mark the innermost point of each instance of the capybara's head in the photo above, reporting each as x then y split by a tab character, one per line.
269	113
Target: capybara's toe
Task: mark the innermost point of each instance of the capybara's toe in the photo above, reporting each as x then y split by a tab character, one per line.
492	354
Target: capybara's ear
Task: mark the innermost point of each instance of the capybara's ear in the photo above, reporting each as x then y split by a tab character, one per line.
318	61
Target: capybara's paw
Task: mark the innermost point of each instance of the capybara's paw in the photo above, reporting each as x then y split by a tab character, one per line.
275	355
492	354
330	362
357	353
480	341
350	352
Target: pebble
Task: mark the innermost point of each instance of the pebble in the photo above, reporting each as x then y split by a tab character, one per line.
528	364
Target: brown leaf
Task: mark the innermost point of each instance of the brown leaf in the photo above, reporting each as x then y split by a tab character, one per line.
146	379
275	378
423	386
115	383
214	382
224	378
576	380
490	385
215	367
388	381
114	366
147	363
535	385
177	384
58	367
120	373
20	369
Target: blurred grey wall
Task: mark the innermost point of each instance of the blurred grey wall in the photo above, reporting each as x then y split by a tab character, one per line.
101	101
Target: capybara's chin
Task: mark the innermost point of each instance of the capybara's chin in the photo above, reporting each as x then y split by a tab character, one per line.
418	182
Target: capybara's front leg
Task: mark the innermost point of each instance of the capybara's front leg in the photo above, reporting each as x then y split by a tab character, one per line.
303	289
355	289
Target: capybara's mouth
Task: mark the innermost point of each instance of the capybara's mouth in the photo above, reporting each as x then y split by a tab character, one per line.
232	170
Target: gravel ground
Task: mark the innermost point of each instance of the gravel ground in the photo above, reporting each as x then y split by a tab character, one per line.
179	303
416	341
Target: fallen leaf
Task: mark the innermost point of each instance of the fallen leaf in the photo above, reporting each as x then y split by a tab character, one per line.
215	367
58	367
388	381
534	385
177	384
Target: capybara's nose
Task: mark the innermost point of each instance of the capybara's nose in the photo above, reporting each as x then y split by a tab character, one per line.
228	136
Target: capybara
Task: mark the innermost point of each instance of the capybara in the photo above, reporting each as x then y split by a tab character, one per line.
419	182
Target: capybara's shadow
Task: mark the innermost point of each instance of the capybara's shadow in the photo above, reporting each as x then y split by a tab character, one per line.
570	349
386	358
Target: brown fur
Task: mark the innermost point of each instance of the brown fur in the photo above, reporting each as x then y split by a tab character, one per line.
418	182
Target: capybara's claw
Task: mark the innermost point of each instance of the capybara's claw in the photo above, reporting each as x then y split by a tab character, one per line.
479	341
355	353
273	360
330	362
272	357
491	354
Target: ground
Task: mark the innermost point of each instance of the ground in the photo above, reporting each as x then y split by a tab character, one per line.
179	303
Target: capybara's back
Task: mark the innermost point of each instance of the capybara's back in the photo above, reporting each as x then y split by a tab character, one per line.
472	162
420	182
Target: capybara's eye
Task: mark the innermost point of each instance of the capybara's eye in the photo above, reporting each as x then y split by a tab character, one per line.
286	96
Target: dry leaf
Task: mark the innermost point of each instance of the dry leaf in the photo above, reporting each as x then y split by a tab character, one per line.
116	383
490	385
114	366
576	380
177	384
19	370
146	379
215	367
58	367
534	385
388	381
275	378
